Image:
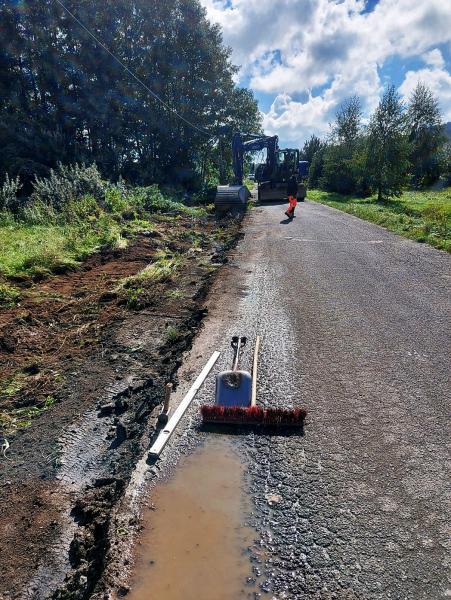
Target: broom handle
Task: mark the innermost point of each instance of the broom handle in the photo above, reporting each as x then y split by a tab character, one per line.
254	372
236	357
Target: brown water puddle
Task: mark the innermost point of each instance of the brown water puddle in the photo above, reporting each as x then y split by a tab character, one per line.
194	545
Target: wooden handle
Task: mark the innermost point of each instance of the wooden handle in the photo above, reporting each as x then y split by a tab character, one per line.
167	397
254	372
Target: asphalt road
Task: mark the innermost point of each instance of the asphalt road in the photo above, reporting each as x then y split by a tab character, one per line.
355	327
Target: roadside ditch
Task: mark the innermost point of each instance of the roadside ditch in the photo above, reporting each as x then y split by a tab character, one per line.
84	358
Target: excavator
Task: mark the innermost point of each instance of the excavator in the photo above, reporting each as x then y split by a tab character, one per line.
271	177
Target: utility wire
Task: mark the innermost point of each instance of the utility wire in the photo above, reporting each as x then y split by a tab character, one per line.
118	60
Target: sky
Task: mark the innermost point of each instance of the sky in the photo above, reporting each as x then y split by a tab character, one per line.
302	58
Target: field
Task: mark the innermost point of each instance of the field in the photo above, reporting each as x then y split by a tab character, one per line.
422	216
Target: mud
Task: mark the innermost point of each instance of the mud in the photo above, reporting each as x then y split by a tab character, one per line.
195	543
103	365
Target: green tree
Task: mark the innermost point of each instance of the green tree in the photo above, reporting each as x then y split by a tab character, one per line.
316	167
64	98
347	124
338	170
425	134
388	148
310	148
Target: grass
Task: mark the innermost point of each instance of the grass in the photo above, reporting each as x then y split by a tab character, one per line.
171	333
424	216
38	250
175	294
40	241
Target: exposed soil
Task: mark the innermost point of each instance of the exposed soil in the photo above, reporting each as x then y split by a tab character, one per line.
82	374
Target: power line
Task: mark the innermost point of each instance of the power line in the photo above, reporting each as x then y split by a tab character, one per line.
118	60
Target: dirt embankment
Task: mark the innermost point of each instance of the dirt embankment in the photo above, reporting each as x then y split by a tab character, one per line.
83	362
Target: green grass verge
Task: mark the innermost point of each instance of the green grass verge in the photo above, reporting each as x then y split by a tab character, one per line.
422	216
38	250
40	241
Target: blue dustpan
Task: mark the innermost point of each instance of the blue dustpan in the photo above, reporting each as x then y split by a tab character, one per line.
234	388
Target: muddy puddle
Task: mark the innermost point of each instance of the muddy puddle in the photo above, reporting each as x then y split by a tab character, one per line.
194	544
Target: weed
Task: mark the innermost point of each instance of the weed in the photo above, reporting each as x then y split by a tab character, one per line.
20	418
171	333
133	297
9	295
159	271
8	193
174	294
12	386
69	183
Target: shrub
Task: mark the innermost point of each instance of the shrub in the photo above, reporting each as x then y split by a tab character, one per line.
83	210
116	200
38	213
69	183
8	193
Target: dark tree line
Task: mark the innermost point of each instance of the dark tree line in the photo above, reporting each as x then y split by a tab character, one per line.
64	98
401	145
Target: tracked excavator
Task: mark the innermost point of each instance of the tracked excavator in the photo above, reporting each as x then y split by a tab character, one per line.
271	177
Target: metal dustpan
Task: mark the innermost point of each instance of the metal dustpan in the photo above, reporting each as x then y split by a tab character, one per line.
234	388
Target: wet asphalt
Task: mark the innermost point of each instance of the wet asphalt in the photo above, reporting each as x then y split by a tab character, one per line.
355	327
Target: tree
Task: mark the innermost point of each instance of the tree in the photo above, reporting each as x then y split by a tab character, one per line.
64	98
310	148
348	122
338	170
316	167
388	148
425	134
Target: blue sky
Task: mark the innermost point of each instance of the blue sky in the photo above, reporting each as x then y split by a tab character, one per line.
302	58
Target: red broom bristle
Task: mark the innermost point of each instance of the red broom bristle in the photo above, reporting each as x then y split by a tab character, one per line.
254	415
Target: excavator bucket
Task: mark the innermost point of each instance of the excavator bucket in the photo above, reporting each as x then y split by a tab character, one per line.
231	198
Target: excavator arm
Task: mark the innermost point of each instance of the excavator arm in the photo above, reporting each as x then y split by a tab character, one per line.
252	144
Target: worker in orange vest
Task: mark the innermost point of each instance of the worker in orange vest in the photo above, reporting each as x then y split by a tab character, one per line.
292	190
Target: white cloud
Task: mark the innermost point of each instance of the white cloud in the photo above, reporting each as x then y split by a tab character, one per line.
435	76
326	51
434	58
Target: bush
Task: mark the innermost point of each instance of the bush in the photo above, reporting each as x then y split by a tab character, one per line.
38	213
116	200
153	201
84	210
69	183
8	194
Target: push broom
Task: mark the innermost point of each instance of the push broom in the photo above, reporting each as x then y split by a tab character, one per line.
236	398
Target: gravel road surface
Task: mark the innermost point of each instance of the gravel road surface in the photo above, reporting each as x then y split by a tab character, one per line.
354	323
